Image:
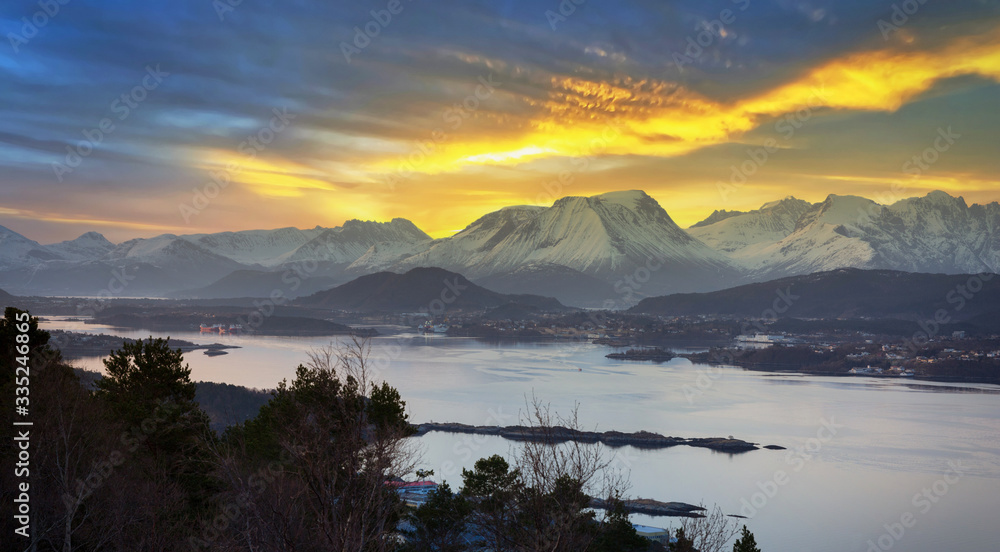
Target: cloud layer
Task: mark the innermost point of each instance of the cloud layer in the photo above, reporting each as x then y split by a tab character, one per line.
191	115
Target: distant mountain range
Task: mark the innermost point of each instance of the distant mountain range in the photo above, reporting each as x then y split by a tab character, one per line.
607	250
934	233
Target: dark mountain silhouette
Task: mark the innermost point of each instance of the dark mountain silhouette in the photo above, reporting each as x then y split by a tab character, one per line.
420	289
844	293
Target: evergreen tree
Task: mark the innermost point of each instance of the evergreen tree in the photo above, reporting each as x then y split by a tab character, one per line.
31	348
618	534
439	524
682	544
146	378
148	388
746	543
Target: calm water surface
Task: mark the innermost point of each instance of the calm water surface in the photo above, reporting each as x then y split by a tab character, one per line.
861	451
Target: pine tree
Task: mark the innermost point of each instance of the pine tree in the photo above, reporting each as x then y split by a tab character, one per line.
439	525
682	544
746	542
618	534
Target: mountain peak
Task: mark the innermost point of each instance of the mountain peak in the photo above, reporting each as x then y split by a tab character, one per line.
788	200
718	215
939	197
92	237
841	210
624	197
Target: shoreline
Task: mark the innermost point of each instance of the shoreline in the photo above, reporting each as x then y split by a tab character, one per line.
774	368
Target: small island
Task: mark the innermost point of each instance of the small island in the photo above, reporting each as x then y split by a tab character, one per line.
655	354
77	344
557	434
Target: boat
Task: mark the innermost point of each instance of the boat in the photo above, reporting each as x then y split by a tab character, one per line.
215	352
221	328
433	328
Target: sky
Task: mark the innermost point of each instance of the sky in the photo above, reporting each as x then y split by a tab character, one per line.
187	116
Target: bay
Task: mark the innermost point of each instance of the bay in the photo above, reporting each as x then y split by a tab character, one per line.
863	454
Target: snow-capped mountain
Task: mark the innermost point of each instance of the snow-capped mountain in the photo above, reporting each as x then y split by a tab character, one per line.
735	231
321	262
383	255
467	248
608	236
89	246
262	247
172	258
935	233
343	245
17	251
577	249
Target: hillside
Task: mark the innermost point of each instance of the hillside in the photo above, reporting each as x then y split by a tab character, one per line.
420	289
843	293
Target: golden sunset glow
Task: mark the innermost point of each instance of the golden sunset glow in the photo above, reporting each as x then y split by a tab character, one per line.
274	178
657	118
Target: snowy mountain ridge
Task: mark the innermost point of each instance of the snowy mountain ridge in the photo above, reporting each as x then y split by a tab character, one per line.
624	240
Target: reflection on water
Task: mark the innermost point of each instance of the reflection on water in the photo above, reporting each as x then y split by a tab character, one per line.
893	438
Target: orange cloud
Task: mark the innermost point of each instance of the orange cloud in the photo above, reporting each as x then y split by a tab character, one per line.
657	118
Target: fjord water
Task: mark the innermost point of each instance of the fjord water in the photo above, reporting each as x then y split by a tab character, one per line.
862	452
